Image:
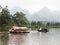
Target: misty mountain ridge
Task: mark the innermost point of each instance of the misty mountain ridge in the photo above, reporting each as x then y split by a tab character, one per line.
44	14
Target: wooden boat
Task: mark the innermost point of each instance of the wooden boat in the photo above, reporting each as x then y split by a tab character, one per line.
16	29
42	30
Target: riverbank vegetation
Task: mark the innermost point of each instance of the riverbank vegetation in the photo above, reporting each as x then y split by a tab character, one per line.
7	20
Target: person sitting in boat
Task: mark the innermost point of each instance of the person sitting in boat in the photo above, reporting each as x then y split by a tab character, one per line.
43	30
40	29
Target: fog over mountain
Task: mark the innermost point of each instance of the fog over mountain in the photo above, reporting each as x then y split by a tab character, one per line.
44	14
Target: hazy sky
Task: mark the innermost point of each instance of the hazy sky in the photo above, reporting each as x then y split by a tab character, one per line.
32	5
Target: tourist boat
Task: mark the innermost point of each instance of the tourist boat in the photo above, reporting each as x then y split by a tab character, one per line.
42	30
16	29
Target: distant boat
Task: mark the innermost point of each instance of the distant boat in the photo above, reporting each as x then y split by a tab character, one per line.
42	30
16	29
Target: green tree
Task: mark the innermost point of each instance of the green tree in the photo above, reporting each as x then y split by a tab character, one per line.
5	17
20	19
48	24
39	23
33	23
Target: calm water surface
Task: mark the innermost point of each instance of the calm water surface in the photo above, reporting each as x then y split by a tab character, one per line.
33	38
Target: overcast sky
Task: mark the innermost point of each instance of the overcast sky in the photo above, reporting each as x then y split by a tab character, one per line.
32	5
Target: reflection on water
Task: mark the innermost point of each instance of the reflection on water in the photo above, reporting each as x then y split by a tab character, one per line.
32	38
16	39
4	39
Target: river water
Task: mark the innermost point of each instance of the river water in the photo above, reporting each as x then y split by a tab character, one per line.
33	38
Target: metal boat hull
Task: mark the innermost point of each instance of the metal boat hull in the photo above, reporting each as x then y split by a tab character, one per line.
43	30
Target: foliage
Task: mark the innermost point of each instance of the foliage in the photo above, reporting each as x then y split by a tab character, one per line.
20	19
36	24
5	17
53	24
39	23
7	20
33	23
